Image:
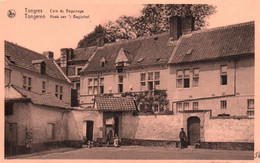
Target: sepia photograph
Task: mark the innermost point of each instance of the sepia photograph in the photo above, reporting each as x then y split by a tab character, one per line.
127	81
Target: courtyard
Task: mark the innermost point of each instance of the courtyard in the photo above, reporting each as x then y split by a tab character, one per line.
140	153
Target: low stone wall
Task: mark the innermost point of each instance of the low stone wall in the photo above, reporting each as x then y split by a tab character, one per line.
218	133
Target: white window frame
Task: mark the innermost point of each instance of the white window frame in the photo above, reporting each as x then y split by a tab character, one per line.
250	108
195	79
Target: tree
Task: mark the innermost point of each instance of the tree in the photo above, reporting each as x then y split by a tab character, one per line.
154	19
92	38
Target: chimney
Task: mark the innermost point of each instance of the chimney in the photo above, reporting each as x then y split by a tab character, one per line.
48	54
64	60
100	41
175	27
180	26
188	25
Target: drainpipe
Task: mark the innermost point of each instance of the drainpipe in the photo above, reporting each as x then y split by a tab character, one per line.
235	76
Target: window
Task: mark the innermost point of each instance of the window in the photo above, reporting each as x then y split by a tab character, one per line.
61	92
56	90
195	106
120	84
143	77
89	81
50	131
186	78
101	85
153	81
157	80
223	104
120	88
90	91
24	82
250	107
150	85
156	108
178	106
195	80
9	108
157	75
95	81
43	87
27	83
179	78
78	69
223	75
150	76
143	86
186	106
95	90
120	79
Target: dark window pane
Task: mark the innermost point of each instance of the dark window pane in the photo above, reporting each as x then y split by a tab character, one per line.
223	79
186	83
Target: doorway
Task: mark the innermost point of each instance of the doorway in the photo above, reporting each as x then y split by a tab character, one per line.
193	130
11	137
89	129
112	123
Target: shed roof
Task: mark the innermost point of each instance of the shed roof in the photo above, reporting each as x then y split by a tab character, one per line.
47	99
109	103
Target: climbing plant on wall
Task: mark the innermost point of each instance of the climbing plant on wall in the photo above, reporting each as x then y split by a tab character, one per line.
150	101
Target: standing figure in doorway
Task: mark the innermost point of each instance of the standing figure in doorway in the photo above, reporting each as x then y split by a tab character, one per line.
182	136
109	137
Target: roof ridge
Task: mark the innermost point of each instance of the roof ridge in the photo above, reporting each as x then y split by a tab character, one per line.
221	28
135	39
19	46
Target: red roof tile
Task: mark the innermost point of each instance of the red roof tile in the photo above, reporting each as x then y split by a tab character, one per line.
215	43
108	103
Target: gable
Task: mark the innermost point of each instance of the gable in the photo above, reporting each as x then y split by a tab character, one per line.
121	57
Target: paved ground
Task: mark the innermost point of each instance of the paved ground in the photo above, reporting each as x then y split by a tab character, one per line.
144	153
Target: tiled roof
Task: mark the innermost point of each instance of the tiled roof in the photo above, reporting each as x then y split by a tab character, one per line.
42	99
108	103
140	52
82	54
216	43
24	58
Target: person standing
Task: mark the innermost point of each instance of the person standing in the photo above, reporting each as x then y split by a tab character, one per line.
109	137
182	136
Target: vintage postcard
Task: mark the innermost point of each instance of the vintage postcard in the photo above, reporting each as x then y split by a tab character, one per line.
124	81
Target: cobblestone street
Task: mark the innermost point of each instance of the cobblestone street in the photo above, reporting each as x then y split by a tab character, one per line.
141	152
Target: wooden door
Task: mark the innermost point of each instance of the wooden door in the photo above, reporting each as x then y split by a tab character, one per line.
193	130
89	129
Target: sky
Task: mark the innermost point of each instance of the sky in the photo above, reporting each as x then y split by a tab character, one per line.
53	34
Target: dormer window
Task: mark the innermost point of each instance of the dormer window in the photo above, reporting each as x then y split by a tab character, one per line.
103	62
40	66
78	69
